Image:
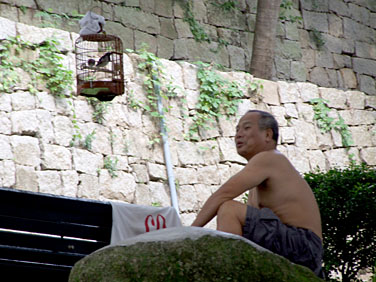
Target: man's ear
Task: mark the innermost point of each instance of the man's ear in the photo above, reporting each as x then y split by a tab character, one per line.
269	134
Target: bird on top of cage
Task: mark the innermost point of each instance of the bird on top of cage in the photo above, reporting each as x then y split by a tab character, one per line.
104	60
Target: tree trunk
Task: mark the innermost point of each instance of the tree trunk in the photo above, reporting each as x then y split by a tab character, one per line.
265	37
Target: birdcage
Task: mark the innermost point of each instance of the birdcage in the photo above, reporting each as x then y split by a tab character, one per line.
99	66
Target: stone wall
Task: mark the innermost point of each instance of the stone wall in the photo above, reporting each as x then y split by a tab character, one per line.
36	132
346	28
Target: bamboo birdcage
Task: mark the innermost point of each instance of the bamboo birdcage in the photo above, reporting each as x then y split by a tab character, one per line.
94	79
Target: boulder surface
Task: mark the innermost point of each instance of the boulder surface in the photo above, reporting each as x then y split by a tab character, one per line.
187	254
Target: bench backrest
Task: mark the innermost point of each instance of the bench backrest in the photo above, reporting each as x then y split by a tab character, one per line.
42	236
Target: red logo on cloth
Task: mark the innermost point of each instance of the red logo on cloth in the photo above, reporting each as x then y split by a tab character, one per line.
160	219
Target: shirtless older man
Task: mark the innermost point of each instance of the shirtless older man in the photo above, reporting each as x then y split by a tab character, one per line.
281	214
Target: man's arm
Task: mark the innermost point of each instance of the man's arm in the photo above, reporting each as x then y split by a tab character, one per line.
253	174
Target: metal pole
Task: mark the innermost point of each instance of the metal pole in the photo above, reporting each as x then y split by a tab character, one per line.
166	147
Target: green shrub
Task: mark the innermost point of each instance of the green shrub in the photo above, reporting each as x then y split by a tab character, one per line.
347	201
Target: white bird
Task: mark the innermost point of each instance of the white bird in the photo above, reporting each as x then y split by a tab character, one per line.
104	60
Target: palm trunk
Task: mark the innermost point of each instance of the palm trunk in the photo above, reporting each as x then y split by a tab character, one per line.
265	36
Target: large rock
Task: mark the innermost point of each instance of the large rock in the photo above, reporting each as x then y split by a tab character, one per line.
187	254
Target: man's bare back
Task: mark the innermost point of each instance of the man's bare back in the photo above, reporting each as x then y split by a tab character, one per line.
287	194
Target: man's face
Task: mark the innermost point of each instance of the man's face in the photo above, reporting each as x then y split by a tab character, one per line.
249	138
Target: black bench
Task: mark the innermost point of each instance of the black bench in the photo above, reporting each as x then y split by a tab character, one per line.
42	236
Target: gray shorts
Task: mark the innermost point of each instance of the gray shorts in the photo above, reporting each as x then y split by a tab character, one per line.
298	245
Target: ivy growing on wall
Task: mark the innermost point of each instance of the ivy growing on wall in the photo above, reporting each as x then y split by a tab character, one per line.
327	123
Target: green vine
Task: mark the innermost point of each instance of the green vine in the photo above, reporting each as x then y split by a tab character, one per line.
317	38
327	123
151	66
227	6
111	166
45	67
218	97
100	109
285	8
89	140
198	32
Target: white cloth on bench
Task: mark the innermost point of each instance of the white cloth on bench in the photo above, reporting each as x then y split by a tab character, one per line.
129	220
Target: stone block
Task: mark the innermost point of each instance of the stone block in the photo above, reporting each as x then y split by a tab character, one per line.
299	159
22	101
357	31
364	66
305	134
190	76
308	58
56	157
218	17
63	130
269	92
368	155
324	59
319	5
208	175
5	148
45	101
26	178
337	158
5	124
69	181
49	182
361	135
289	49
364	117
356	99
339	7
168	28
336	98
186	176
122	187
348	78
287	135
317	160
335	25
237	59
228	151
124	33
279	113
182	28
7	27
308	91
26	150
367	84
370	102
87	162
305	112
209	151
341	61
142	195
288	92
157	172
189	153
164	8
365	50
298	71
333	44
314	20
7	173
165	47
159	194
291	111
187	198
227	126
173	72
88	186
282	68
359	13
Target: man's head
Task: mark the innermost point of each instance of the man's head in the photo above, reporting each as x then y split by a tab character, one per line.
256	131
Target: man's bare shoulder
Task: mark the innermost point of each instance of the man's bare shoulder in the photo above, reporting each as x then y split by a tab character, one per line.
268	156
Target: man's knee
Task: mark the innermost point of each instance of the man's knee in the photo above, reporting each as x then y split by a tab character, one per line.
233	209
226	208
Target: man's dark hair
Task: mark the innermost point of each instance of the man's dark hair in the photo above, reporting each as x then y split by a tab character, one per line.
266	121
